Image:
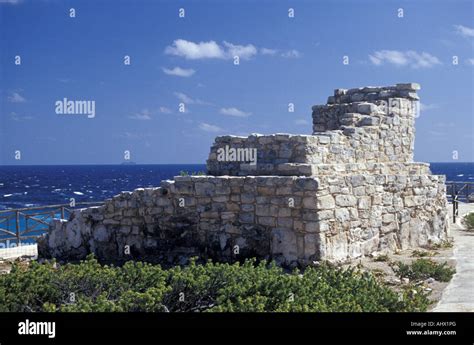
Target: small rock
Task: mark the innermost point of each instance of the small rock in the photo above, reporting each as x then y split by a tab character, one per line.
429	280
405	281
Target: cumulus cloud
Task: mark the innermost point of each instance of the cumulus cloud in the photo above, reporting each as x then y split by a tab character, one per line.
243	52
179	72
209	128
194	51
212	50
15	97
404	58
145	114
234	112
268	51
464	30
189	100
291	54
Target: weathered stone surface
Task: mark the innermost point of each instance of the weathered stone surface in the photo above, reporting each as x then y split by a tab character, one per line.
348	190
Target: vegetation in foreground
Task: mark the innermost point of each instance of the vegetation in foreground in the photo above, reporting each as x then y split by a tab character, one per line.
421	269
211	287
468	221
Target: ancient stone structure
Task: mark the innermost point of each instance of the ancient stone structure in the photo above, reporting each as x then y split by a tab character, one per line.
348	190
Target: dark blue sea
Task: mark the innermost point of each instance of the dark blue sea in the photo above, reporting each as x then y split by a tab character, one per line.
29	186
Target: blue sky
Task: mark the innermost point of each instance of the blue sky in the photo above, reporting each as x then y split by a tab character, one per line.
189	60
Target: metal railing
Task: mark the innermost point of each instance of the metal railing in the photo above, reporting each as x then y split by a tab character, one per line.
463	190
28	223
459	191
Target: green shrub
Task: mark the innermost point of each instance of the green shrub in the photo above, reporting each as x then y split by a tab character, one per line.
421	269
468	221
422	253
212	287
382	258
441	245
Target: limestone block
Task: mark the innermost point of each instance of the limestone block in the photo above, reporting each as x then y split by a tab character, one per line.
346	200
325	202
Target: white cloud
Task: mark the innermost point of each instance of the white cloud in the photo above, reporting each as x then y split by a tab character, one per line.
227	50
194	51
291	54
145	114
184	98
268	51
301	122
470	62
408	58
15	97
464	31
234	112
188	100
13	2
179	72
210	50
243	52
209	128
165	110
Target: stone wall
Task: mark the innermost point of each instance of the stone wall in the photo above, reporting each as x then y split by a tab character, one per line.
362	214
346	191
288	219
266	217
374	129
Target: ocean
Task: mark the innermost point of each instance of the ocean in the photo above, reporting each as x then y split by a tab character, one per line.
32	186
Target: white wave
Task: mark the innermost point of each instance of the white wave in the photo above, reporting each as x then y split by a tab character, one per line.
460	175
7	195
78	193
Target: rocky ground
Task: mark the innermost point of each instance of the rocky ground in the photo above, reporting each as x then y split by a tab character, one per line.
381	266
6	265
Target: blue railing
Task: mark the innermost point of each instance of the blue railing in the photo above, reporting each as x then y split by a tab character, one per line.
25	224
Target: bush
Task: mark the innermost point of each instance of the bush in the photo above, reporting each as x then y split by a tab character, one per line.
211	287
468	221
382	258
422	269
422	253
441	245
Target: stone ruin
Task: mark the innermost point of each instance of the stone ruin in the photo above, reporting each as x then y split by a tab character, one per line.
348	190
